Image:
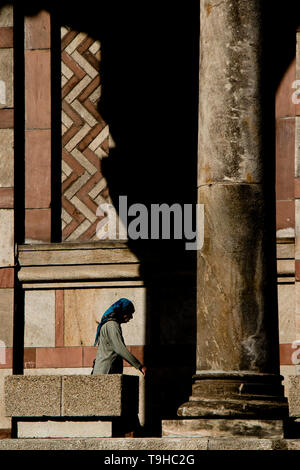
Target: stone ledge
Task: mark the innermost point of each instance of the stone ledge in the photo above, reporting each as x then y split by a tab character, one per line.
167	443
213	428
70	262
75	254
79	272
78	395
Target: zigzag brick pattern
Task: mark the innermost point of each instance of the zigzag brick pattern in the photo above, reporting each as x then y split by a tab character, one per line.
85	137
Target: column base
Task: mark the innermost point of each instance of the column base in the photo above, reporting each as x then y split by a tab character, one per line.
233	403
202	427
236	394
246	406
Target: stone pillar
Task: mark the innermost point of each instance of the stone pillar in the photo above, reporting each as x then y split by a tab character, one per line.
37	128
237	375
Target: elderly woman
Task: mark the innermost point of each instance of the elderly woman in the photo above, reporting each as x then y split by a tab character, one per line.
109	338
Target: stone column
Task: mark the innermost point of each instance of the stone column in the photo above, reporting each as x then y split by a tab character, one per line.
237	375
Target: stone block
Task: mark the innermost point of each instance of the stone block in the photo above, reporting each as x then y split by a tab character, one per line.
6	198
287	354
60	429
6	316
285	250
285	156
294	395
285	267
92	396
70	274
6	118
286	371
6	277
37	31
59	357
6	15
37	89
39	318
71	395
286	311
117	444
76	254
142	393
285	218
32	396
5	422
244	444
6	237
6	78
38	169
37	225
6	37
223	428
6	158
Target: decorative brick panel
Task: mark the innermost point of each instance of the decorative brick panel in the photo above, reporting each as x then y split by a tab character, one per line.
85	136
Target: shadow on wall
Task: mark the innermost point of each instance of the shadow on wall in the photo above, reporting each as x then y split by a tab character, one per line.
149	73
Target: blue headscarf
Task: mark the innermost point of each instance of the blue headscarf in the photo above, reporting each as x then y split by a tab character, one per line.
115	312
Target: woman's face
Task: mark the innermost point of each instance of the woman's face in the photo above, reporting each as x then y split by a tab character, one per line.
126	318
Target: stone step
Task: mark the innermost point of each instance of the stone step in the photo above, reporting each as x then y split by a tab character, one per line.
153	444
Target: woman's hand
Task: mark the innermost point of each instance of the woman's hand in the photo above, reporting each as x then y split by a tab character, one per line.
143	370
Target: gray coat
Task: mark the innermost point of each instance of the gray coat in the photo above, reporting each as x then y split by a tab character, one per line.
112	351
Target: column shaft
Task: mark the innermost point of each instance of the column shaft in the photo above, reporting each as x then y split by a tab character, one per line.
237	309
237	373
